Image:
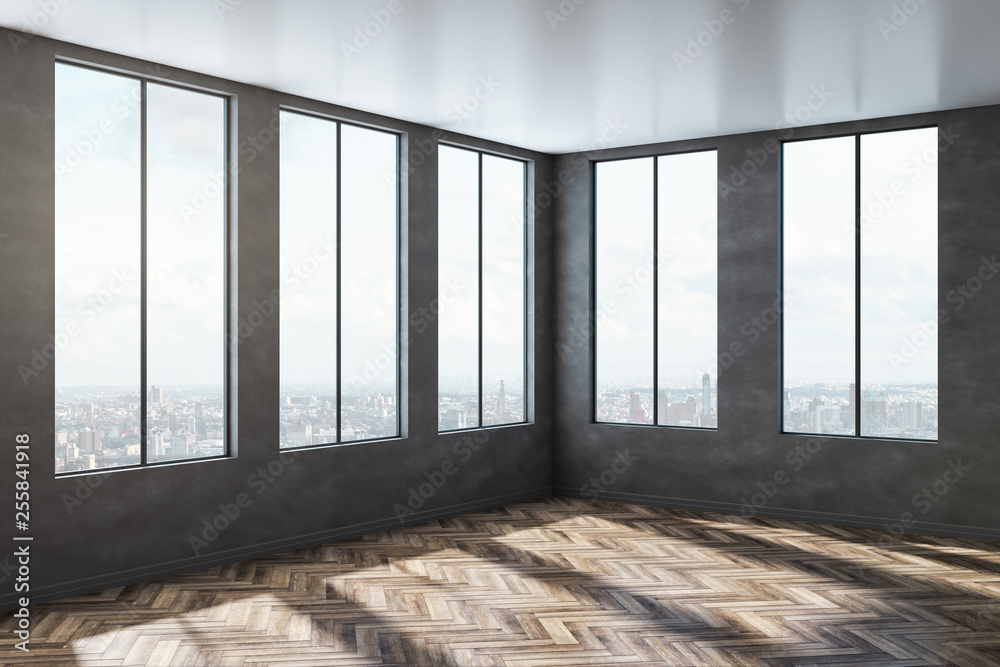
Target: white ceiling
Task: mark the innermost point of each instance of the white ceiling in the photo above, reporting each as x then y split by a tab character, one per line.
565	72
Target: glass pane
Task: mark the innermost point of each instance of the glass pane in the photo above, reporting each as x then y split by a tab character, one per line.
688	292
503	290
819	262
899	284
624	291
458	288
370	304
97	283
308	250
185	273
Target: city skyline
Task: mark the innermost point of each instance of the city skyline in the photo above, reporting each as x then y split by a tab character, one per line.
459	408
693	404
886	410
99	426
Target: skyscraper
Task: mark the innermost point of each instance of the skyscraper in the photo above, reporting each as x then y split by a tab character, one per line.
156	394
199	419
501	405
852	398
874	413
158	444
683	413
706	398
789	422
636	410
86	440
913	415
301	435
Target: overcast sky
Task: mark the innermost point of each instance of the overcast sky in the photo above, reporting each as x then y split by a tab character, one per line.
369	302
899	257
97	156
688	306
503	271
98	214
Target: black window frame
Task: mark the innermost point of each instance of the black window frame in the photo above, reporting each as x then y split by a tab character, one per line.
229	389
592	313
525	297
399	137
857	282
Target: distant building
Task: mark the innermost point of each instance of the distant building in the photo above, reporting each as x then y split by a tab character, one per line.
209	447
301	436
875	407
199	419
453	418
913	415
637	412
875	414
89	440
829	419
706	401
158	445
706	395
502	405
683	414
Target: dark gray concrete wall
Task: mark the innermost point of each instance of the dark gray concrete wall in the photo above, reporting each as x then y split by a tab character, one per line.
136	523
862	482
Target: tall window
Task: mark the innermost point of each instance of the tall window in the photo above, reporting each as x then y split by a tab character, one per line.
140	271
656	290
860	285
339	288
482	376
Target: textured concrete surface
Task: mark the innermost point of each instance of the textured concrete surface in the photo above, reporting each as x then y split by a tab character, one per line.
869	482
137	522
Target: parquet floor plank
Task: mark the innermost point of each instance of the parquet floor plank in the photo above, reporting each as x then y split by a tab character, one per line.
554	582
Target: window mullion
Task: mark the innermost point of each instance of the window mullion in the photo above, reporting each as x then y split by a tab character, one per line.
857	285
656	293
479	423
143	441
339	276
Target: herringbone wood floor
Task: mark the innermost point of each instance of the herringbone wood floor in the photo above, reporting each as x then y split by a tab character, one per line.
555	582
